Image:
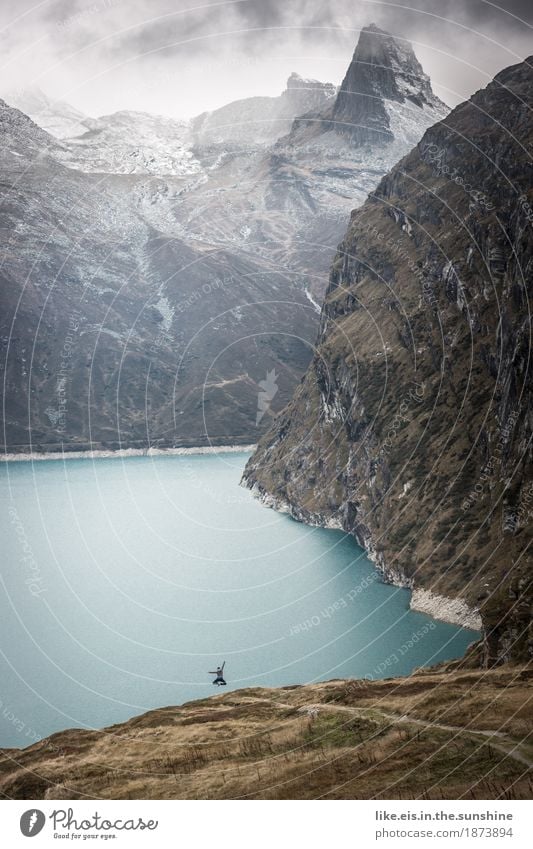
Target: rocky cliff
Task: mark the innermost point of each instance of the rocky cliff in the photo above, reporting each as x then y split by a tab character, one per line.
384	92
412	427
383	69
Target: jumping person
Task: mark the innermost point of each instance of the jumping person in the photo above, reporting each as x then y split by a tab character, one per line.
219	680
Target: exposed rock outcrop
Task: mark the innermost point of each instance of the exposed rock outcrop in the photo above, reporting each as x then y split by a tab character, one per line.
383	69
412	427
383	83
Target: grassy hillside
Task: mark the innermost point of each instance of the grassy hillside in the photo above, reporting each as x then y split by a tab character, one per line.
434	735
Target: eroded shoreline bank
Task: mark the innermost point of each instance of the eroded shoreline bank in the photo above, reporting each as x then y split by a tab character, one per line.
454	611
100	454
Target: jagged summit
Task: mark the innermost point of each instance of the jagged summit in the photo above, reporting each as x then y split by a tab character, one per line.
383	68
385	97
387	67
131	142
296	81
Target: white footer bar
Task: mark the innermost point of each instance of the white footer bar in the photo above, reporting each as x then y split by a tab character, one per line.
267	824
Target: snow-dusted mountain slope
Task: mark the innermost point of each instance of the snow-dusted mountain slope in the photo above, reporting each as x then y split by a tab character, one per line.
133	143
58	118
291	200
188	258
261	120
114	330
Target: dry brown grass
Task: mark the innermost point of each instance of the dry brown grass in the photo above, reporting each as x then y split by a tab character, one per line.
361	740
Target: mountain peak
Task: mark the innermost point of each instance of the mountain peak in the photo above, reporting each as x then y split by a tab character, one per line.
298	83
295	80
374	28
383	68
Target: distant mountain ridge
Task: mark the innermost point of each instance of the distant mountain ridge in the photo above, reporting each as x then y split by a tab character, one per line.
261	119
129	142
57	117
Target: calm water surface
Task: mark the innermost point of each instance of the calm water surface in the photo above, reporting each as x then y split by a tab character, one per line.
124	581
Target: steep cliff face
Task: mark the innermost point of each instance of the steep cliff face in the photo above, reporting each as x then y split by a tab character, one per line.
384	90
383	69
412	427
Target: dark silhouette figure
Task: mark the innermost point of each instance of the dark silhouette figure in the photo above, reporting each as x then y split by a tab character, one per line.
219	680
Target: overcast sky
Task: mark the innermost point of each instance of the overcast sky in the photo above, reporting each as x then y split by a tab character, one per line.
181	57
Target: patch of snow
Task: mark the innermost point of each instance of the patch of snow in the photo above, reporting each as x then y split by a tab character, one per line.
166	311
133	143
316	306
53	415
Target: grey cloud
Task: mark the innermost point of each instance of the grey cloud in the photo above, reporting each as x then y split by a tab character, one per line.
311	19
102	54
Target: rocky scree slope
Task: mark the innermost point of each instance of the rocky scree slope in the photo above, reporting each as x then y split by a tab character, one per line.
412	427
130	142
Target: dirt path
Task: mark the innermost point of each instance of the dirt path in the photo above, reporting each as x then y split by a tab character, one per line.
507	746
510	747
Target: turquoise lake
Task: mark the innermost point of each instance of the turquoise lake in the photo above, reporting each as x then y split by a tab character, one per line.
124	581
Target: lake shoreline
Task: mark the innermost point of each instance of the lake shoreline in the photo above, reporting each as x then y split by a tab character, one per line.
104	454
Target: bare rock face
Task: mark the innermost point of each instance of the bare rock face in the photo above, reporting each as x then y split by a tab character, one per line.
412	427
383	68
383	76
